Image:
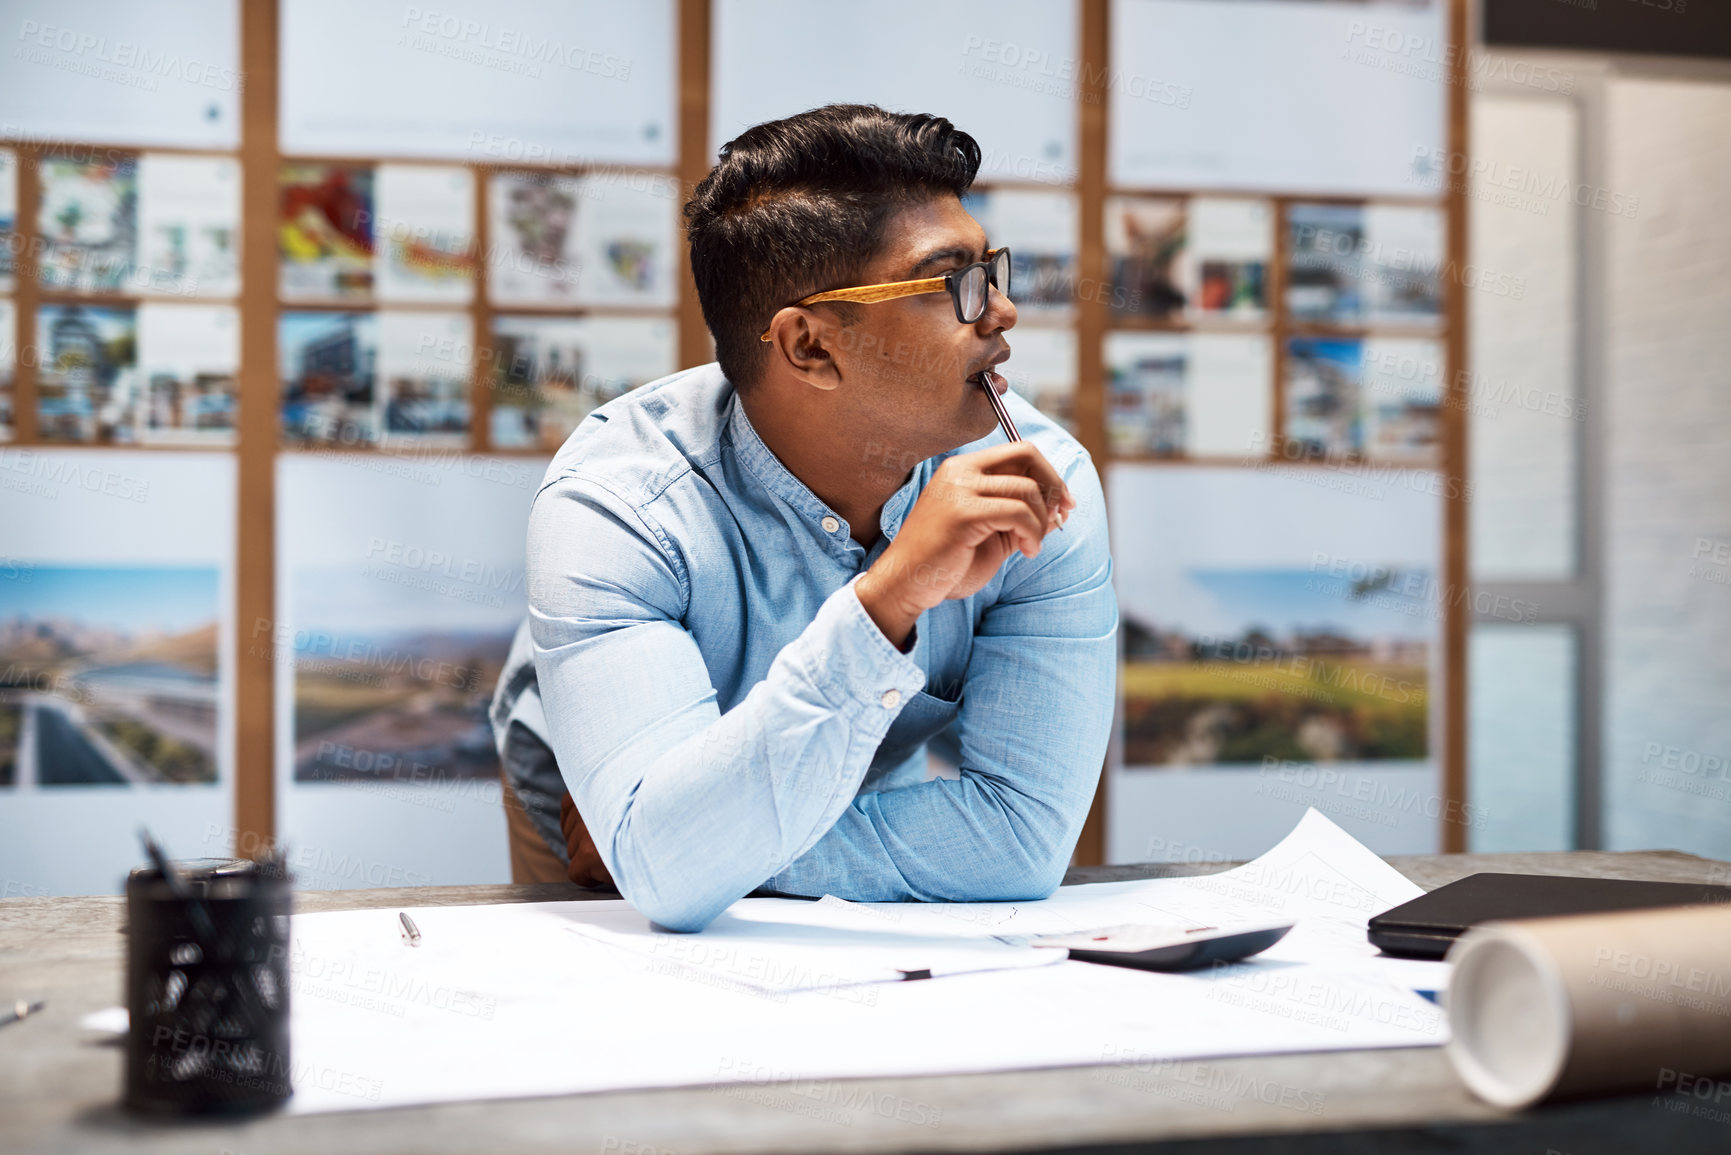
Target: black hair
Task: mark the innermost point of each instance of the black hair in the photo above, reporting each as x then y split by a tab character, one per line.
798	206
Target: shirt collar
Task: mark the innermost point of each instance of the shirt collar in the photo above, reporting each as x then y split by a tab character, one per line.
780	481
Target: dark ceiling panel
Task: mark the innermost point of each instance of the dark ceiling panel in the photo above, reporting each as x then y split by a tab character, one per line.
1661	27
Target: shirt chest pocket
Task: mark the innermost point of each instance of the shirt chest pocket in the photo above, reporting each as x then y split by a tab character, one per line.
922	716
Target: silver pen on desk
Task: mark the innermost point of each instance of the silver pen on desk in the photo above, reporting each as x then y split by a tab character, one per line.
989	382
411	932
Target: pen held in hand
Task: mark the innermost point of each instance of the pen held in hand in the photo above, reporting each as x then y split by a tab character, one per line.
988	380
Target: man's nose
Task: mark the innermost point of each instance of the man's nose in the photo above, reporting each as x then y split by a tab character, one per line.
1000	312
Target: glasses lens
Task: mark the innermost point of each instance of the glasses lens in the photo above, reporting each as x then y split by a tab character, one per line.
1001	271
971	292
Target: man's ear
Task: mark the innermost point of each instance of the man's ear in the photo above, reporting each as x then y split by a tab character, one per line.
805	341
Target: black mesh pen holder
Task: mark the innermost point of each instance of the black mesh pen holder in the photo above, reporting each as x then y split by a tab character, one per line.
207	987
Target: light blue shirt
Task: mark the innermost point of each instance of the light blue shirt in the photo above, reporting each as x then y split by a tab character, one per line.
728	718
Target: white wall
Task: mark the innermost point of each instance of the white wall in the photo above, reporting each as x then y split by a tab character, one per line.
1521	332
1668	457
1524	433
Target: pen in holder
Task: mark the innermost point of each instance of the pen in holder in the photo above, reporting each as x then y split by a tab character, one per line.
207	985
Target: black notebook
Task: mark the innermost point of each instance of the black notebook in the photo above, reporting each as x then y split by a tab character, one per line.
1429	924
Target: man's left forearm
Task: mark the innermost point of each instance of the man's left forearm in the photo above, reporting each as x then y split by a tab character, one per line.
1006	829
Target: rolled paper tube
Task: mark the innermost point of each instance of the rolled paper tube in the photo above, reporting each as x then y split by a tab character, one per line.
1589	1004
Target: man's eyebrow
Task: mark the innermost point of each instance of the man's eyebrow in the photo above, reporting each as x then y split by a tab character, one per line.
948	253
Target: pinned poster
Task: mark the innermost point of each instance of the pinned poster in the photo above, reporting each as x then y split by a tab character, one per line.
188	358
87	386
400	581
8	359
129	74
1402	400
328	369
188	226
1404	255
1145	392
325	232
1376	397
1231	242
88	222
549	373
424	237
115	645
1324	376
1364	264
1013	81
8	215
1282	630
1325	263
562	82
1330	96
1189	394
627	238
532	238
423	377
1148	256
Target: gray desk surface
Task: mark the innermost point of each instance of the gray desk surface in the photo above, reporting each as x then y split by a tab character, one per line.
59	1088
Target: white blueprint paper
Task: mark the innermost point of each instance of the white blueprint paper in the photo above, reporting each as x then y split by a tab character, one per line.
1319	876
514	1000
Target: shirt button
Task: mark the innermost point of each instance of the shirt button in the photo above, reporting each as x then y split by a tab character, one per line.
830	525
891	699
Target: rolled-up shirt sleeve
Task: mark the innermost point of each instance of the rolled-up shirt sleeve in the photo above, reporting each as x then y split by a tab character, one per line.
691	808
1036	715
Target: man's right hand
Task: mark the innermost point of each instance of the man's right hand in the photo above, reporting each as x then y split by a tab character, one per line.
586	867
976	510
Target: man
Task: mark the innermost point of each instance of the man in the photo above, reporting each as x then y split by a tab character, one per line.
758	589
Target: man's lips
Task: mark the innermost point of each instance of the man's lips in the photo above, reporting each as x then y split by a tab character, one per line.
985	374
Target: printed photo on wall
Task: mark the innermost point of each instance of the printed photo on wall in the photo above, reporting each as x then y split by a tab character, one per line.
1145	375
424	374
1364	264
1403	257
404	697
627	234
8	359
1380	397
88	223
1308	633
1402	392
400	583
1231	242
188	356
1325	259
424	237
532	238
327	363
87	386
8	215
108	675
325	232
188	224
1195	394
1040	230
1323	380
1145	246
549	373
404	590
